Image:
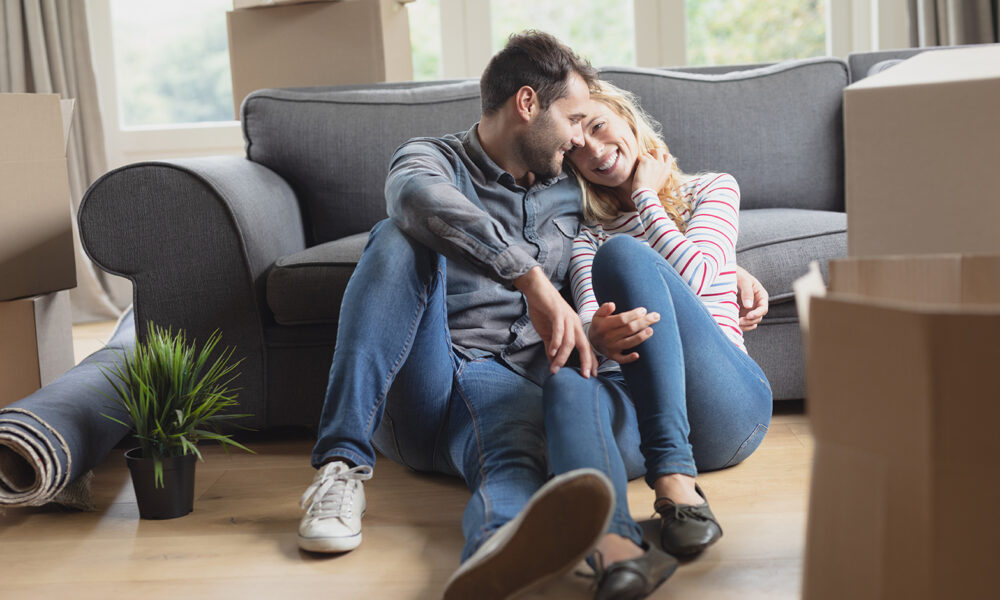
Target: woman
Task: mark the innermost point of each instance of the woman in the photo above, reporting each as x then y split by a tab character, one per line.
654	280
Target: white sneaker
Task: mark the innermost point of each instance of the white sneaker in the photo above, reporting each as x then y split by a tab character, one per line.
559	526
334	505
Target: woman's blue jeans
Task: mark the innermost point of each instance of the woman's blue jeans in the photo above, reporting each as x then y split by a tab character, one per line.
396	379
694	401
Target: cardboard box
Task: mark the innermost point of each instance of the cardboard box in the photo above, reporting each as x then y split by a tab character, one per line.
921	141
904	402
240	4
36	236
36	346
319	43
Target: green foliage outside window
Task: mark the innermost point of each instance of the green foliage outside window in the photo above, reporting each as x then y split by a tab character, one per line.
721	32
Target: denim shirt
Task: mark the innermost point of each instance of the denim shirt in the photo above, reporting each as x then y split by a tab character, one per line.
449	195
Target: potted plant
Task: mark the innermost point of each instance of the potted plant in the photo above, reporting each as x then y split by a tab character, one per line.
173	395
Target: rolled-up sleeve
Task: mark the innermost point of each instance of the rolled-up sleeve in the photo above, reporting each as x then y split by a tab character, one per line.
425	200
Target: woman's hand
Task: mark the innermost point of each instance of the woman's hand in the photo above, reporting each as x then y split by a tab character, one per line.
612	334
652	170
753	299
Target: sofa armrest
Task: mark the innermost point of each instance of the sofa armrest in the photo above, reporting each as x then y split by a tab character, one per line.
196	238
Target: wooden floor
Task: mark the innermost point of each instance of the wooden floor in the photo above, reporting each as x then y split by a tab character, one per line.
240	540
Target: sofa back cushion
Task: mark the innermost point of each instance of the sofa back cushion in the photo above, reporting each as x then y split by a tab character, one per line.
333	145
778	129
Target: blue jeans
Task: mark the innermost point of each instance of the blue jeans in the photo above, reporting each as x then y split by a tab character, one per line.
693	401
396	380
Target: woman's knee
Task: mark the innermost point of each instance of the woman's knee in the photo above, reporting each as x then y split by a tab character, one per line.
616	251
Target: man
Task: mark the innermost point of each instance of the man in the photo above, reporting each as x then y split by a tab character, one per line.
452	321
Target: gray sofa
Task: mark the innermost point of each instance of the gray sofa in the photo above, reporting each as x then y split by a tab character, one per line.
262	247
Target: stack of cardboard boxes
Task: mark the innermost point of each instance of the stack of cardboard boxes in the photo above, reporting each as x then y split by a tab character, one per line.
36	243
903	348
297	43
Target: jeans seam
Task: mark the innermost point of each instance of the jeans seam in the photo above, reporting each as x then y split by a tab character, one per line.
479	455
400	360
753	435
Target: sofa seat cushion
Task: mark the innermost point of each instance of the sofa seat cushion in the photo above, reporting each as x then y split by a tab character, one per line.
307	287
777	244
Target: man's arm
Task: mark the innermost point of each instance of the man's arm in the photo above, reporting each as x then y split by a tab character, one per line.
556	321
424	202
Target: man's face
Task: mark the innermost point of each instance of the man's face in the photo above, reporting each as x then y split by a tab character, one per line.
555	131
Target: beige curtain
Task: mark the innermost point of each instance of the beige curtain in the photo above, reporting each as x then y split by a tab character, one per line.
953	22
44	49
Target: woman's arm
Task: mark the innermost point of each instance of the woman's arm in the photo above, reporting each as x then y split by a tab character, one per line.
700	253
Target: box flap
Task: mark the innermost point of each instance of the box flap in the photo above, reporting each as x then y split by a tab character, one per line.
933	279
32	127
937	67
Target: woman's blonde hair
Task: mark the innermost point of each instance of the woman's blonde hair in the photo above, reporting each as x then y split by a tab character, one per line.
599	204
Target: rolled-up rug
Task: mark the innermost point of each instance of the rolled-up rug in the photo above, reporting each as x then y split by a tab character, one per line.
50	440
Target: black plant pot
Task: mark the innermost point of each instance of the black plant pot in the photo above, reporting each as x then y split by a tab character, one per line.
175	498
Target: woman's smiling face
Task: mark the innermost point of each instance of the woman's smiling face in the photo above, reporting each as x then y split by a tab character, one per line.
610	149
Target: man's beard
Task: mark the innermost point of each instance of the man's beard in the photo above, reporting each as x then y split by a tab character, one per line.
539	147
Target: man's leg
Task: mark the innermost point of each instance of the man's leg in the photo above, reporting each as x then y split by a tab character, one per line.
519	530
392	329
586	420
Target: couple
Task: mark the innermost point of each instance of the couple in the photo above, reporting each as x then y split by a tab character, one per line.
453	336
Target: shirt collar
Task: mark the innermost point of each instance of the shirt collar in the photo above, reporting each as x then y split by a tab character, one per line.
490	169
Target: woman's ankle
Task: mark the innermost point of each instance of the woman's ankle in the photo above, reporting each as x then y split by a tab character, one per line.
678	487
615	548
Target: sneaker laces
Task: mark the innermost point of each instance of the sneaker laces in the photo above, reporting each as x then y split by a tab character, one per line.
329	496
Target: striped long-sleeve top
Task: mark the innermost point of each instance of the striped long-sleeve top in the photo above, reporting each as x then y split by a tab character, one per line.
704	255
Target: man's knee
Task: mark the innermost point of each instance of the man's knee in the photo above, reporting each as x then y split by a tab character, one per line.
389	248
563	392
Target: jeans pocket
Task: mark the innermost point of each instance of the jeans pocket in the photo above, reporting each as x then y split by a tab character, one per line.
748	445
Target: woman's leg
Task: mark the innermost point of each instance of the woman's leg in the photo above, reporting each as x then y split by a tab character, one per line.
702	403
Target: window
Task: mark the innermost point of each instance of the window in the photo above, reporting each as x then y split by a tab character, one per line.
603	31
750	31
171	62
425	38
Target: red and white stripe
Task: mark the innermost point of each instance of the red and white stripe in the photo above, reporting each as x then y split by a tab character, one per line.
704	255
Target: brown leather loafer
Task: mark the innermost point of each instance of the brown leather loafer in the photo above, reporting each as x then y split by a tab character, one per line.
635	578
686	529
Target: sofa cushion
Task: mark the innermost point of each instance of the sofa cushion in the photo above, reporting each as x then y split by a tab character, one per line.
777	129
307	287
333	145
777	244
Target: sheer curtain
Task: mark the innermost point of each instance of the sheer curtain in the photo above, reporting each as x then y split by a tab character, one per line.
44	49
953	22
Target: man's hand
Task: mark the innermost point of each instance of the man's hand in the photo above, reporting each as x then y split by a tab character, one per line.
612	334
752	299
556	321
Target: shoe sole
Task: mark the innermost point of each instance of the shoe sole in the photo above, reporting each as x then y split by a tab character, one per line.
330	545
557	529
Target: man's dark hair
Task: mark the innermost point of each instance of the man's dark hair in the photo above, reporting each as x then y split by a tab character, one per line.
536	59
